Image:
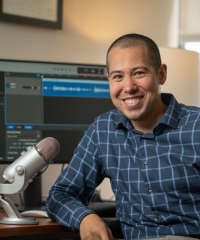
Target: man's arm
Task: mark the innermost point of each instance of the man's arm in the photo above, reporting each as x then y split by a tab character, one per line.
75	186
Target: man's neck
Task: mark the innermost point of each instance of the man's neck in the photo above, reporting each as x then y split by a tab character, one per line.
147	125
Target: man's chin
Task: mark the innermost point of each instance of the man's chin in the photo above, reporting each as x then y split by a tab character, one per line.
135	117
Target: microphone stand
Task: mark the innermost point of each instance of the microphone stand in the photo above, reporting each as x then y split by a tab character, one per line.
19	184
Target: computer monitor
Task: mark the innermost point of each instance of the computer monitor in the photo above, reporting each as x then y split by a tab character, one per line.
47	99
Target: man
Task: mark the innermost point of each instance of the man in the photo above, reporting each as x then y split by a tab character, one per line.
148	147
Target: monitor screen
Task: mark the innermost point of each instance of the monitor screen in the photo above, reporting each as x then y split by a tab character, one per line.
46	99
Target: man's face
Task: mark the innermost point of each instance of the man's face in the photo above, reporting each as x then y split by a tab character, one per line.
134	84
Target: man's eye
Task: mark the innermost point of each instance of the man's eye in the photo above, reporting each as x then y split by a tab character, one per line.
139	74
117	76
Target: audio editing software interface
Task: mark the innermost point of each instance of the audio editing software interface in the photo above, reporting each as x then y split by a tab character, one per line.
39	100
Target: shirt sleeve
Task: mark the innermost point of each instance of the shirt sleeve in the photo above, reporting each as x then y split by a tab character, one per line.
75	186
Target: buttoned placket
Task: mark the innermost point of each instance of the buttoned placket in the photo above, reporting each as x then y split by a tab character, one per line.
150	190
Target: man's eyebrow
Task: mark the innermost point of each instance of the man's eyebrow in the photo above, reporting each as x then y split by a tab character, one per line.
133	69
141	67
116	71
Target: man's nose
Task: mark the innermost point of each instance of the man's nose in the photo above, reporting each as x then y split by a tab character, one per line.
130	84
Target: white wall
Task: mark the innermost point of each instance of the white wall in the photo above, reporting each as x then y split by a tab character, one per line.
182	75
89	27
189	21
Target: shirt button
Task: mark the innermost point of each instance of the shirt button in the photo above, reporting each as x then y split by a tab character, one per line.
169	225
157	213
145	162
150	190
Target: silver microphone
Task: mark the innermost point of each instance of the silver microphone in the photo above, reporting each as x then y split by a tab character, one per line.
33	160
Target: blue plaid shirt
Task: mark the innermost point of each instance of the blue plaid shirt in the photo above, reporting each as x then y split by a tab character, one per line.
154	176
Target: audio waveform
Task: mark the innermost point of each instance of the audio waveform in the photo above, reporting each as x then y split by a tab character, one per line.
78	89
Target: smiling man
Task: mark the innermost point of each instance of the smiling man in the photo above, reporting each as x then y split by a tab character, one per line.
148	147
135	85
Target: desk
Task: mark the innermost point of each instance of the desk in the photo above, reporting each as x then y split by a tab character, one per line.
46	229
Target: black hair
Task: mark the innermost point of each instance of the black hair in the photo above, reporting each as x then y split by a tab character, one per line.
137	40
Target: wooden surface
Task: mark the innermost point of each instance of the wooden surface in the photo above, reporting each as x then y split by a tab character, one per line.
45	226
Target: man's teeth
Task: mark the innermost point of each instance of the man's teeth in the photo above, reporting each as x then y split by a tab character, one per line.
131	101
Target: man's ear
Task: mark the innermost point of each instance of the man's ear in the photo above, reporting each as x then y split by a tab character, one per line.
162	74
107	76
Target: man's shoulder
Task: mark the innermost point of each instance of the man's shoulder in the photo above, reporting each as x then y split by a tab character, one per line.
189	109
192	113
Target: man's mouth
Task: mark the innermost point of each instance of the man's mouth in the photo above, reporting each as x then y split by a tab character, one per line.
133	100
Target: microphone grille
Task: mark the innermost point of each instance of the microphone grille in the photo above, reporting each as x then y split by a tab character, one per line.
49	147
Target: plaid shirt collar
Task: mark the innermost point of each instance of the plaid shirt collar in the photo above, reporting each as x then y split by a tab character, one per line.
170	118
